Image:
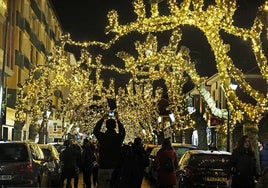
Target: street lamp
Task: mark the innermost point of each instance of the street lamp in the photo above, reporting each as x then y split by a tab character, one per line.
233	87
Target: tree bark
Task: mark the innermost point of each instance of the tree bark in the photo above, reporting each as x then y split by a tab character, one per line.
18	130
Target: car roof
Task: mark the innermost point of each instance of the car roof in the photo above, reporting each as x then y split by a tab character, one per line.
183	145
56	143
47	146
180	145
208	152
18	142
174	145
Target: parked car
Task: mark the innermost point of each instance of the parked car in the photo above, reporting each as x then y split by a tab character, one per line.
178	147
22	165
200	168
58	145
53	163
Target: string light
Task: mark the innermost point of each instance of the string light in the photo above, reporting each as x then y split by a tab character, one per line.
137	104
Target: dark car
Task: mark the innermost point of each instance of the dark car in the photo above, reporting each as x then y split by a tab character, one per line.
53	163
22	165
200	168
180	149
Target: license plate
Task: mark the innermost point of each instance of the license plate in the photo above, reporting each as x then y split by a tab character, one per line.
5	177
218	179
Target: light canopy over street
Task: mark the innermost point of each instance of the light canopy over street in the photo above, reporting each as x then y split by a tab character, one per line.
81	101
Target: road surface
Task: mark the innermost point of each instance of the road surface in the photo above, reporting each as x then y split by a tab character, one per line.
145	183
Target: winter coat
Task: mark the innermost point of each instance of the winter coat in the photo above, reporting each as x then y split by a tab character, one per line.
131	171
243	167
70	162
166	177
88	158
110	144
264	157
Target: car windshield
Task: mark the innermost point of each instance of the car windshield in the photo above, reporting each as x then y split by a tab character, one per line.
209	161
13	153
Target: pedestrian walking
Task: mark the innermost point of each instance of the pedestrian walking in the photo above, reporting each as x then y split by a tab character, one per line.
122	168
94	148
166	164
110	143
242	165
140	160
70	158
88	159
264	157
130	172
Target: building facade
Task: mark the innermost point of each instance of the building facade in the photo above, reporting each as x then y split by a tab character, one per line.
222	130
29	30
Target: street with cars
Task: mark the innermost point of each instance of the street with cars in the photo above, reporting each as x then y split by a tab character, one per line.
28	164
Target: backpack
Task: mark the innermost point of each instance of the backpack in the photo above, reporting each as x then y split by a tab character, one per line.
169	165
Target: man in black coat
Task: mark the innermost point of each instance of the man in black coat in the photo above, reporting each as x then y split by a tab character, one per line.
110	143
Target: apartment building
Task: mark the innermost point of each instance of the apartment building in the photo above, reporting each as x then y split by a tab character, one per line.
29	30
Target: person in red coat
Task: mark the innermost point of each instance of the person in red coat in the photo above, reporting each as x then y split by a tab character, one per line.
166	172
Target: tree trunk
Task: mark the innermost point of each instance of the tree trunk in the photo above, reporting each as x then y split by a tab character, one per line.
18	130
42	133
32	131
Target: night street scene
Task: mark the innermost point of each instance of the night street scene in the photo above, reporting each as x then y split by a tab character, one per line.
134	93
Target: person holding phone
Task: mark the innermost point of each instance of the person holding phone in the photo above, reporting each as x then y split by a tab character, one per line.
110	143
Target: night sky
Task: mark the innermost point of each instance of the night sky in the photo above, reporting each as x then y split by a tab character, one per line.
86	20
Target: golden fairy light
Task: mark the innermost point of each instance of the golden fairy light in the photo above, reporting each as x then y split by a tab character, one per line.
137	102
211	21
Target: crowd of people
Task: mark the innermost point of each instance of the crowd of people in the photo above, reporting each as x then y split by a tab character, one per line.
112	164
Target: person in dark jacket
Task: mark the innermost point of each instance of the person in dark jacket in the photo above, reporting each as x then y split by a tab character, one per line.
140	160
166	178
242	165
131	167
88	158
110	143
264	157
70	158
122	168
